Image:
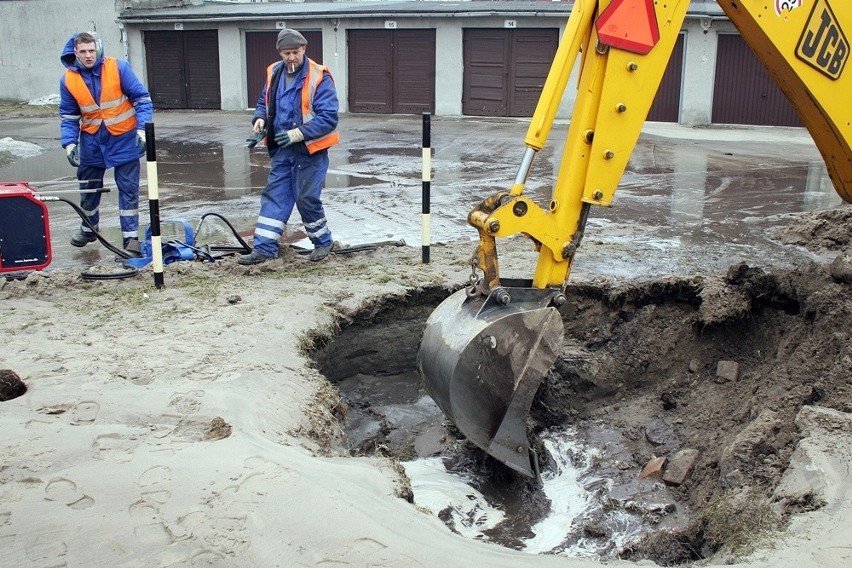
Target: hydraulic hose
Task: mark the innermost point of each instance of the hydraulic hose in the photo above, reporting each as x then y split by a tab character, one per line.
229	249
127	273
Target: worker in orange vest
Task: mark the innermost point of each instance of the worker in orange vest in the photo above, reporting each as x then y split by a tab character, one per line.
298	110
103	109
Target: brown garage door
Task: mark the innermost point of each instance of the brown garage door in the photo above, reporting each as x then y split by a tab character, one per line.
260	52
183	69
504	70
391	71
744	92
666	106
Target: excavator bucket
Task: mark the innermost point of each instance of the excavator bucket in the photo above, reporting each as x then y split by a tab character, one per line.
482	360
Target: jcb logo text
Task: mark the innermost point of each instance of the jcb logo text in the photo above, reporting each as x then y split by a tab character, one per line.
823	44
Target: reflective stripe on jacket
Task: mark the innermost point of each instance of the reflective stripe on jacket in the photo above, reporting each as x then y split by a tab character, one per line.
314	76
115	111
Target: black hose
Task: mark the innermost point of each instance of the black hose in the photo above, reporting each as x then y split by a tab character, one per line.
106	243
85	275
353	248
230	249
109	275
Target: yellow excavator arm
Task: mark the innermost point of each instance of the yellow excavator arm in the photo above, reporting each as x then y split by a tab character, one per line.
485	349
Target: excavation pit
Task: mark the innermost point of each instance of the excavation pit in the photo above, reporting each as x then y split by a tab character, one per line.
671	412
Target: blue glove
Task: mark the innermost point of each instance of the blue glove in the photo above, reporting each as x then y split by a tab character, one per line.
72	152
140	141
289	137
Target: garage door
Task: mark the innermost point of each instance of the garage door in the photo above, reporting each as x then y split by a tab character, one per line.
504	70
391	71
183	69
666	106
260	52
744	92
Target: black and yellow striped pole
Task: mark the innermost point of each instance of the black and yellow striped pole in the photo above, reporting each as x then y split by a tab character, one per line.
154	206
427	178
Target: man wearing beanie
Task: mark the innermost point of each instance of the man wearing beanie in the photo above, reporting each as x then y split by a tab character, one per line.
298	109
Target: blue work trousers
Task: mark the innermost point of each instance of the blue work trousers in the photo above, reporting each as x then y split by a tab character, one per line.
127	180
295	178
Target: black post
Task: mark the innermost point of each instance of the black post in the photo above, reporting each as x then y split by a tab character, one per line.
154	206
427	173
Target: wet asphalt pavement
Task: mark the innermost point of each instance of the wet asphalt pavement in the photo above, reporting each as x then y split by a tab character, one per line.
691	199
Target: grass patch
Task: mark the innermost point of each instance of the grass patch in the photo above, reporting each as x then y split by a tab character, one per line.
317	339
728	529
737	524
200	285
298	272
324	413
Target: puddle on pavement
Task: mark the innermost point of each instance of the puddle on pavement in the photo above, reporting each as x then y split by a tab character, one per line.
677	196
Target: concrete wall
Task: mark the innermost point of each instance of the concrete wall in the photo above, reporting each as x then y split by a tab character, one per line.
699	69
33	33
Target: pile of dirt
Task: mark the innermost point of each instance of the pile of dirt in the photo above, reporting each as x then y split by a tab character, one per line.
721	367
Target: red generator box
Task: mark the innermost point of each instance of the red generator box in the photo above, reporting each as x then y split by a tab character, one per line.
24	231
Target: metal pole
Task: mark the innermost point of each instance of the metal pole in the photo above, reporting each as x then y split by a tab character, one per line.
427	176
154	206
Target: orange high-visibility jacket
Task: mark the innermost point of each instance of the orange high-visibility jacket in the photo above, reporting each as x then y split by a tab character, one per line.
315	74
115	111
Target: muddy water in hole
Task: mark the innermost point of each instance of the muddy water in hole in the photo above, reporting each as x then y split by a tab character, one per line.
372	363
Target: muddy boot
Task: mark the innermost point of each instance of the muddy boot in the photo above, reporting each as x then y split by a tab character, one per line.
81	238
132	249
254	257
320	252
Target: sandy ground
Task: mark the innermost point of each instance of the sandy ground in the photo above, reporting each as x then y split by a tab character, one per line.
175	428
179	427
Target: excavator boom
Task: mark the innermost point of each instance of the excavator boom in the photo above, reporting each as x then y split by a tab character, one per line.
486	349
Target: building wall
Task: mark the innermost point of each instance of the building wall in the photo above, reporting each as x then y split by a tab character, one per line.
699	69
43	26
33	34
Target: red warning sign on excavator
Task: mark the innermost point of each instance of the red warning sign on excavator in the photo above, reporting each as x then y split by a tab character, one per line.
630	25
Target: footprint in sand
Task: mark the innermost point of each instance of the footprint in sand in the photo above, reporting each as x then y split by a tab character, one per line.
150	528
188	402
117	447
154	475
46	550
206	558
83	502
85	412
63	490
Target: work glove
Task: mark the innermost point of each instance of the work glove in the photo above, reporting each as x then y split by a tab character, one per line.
289	137
140	141
258	125
72	152
254	140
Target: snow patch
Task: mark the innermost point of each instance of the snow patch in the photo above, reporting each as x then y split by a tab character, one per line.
46	100
19	148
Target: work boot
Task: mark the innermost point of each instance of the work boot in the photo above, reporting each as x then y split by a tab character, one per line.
132	250
320	252
132	247
81	238
254	257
